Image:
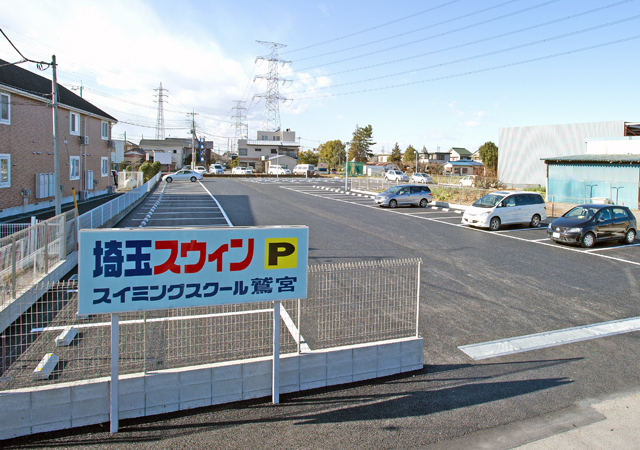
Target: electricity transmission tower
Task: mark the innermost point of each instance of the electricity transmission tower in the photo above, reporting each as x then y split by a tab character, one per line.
242	127
271	121
160	121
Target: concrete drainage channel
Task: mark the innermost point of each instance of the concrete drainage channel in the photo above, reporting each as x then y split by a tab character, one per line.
145	221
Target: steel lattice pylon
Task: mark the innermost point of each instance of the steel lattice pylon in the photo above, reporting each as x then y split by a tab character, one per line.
160	121
242	128
271	121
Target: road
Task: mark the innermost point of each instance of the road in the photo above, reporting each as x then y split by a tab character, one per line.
476	286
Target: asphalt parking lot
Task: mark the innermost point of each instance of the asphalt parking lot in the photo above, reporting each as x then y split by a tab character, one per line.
476	286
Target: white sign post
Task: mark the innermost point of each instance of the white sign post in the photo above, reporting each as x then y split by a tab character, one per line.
142	269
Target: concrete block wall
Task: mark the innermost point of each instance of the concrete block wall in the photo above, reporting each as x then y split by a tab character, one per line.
67	405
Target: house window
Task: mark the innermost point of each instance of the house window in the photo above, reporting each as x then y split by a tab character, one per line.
5	109
258	149
74	124
265	137
5	170
275	138
104	134
74	167
242	152
104	166
274	151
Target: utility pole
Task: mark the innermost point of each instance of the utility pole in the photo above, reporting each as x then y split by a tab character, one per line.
271	120
56	155
193	115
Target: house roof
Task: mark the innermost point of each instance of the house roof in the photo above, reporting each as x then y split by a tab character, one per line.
31	83
611	159
461	151
466	162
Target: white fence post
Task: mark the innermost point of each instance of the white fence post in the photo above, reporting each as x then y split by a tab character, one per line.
275	385
114	373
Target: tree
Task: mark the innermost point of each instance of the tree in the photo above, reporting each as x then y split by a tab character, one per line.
410	155
308	157
333	153
396	156
361	143
489	156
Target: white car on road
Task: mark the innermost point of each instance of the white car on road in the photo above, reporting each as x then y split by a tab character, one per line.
216	169
241	170
421	178
200	169
276	169
395	175
184	174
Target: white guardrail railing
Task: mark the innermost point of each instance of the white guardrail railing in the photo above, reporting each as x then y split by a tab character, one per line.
28	255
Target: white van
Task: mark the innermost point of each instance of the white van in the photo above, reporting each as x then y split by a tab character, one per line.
506	207
303	169
277	169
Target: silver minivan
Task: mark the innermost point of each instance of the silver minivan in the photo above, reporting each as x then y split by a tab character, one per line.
506	207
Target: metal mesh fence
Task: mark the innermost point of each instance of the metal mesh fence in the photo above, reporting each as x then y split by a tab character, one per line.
346	304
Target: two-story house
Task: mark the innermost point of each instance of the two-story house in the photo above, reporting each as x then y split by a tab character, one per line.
459	154
270	146
26	143
431	157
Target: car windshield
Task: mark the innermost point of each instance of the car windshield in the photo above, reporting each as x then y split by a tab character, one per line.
489	201
394	189
581	213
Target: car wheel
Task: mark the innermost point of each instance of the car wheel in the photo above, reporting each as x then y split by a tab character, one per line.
194	179
393	203
169	180
629	237
424	202
494	224
588	240
535	221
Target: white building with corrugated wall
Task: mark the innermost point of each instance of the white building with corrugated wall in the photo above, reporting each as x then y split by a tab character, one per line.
523	149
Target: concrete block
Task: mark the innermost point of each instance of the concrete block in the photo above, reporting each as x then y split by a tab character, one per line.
365	353
252	369
162	409
88	408
339	380
222	399
340	370
290	388
162	397
389	349
340	357
195	404
312	360
258	393
14	432
389	357
412	359
14	418
361	366
256	383
198	376
413	345
15	401
131	413
230	372
48	397
412	368
231	388
50	414
313	384
130	386
131	402
91	420
390	371
289	363
192	392
161	381
289	378
364	376
90	391
53	426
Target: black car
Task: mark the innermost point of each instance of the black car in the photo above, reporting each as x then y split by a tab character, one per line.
587	224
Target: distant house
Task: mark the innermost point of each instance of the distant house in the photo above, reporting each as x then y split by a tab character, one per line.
251	152
173	151
134	155
475	156
466	167
26	143
459	154
430	157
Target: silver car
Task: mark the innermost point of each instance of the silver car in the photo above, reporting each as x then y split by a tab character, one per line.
405	194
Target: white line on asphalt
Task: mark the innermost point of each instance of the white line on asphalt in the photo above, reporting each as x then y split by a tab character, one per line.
547	339
215	200
608	248
540	240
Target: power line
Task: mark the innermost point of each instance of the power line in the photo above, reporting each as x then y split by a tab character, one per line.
473	72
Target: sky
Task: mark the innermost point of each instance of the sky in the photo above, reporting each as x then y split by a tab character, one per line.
434	74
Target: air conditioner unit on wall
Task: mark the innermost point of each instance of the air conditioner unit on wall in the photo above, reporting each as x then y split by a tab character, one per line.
111	144
84	140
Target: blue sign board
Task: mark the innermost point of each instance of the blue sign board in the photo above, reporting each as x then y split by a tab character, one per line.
136	269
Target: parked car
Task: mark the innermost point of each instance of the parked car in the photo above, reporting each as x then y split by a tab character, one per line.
277	169
506	207
200	169
216	169
333	171
468	180
421	178
587	224
405	194
303	169
241	171
184	174
395	175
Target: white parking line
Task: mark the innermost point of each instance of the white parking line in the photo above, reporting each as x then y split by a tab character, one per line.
608	248
547	339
